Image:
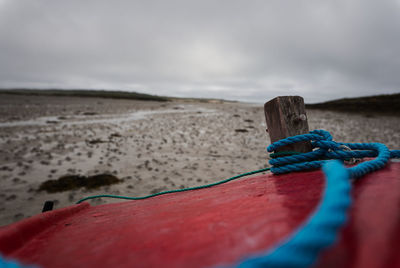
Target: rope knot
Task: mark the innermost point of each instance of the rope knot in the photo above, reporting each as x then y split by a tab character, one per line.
324	148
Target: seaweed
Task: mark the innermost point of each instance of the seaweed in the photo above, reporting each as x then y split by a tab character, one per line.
72	182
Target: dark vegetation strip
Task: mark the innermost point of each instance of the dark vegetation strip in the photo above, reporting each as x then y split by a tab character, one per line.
84	93
72	182
379	104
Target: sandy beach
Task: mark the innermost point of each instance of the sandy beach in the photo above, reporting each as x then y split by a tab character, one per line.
150	146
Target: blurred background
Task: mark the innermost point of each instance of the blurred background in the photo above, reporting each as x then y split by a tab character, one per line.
138	97
237	50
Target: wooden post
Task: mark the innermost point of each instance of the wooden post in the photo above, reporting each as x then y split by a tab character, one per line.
286	116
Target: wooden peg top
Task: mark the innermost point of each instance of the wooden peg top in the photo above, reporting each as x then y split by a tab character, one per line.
286	116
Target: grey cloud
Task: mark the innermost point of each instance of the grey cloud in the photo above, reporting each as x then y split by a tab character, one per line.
245	50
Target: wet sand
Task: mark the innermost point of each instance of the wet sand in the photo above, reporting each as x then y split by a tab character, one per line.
151	146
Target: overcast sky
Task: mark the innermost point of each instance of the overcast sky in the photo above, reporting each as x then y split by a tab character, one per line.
243	50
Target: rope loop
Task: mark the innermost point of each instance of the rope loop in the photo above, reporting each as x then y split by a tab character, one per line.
324	148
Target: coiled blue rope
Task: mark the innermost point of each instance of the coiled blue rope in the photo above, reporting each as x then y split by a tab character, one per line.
325	148
320	231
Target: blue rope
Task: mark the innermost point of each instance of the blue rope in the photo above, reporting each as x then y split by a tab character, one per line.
325	148
12	264
301	249
320	231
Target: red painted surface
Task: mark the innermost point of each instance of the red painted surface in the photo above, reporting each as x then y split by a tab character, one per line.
204	228
372	237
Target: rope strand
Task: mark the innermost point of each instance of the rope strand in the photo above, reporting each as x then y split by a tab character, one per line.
177	190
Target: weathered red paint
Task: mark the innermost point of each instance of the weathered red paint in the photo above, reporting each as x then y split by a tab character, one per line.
209	227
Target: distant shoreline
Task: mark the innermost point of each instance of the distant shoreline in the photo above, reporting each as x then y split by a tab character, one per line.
388	104
379	104
88	93
84	93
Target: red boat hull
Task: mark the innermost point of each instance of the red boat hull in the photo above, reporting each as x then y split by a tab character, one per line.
215	226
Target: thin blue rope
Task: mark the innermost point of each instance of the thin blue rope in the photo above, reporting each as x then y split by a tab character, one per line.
320	231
